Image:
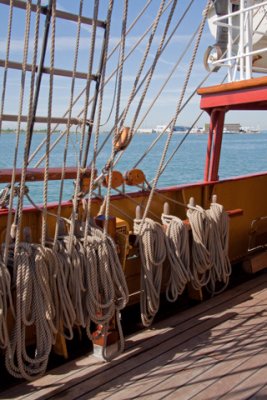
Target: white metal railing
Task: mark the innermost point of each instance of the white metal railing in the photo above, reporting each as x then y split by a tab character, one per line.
247	40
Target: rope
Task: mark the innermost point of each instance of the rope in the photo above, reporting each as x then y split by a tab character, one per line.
141	67
105	83
9	30
65	315
70	108
34	307
117	112
218	246
21	97
153	66
201	261
98	122
177	246
74	267
22	188
107	291
5	302
152	249
155	181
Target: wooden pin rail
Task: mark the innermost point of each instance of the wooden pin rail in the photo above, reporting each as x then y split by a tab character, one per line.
231	213
37	174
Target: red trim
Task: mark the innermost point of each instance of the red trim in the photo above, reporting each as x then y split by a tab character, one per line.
216	153
254	98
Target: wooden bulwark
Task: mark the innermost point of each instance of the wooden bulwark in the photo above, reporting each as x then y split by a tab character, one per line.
214	350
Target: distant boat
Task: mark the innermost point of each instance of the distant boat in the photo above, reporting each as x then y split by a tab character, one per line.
197	129
161	129
177	129
249	129
145	130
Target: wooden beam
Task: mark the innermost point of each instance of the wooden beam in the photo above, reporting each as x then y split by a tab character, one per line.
37	174
60	14
46	70
39	119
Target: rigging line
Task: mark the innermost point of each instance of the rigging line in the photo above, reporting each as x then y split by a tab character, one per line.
49	114
223	80
153	67
128	196
87	94
118	209
31	111
9	31
181	142
89	73
142	65
147	73
177	111
75	62
163	196
138	75
114	97
171	121
156	98
82	92
98	122
112	52
117	111
39	76
173	69
21	97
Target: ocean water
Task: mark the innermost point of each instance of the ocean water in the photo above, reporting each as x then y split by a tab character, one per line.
241	154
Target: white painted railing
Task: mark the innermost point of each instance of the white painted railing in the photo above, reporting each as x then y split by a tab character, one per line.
246	51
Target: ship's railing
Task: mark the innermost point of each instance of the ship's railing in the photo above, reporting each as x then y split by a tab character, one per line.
246	51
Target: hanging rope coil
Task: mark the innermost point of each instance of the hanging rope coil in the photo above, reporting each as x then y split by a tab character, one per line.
74	271
107	288
201	262
5	303
107	292
65	316
218	245
152	249
34	307
177	244
210	261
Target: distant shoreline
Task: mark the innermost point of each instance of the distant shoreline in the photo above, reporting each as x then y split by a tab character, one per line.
13	131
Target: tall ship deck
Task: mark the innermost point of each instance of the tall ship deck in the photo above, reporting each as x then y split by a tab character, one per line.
113	239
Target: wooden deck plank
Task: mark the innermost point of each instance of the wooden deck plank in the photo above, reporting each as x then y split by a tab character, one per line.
222	375
179	328
184	361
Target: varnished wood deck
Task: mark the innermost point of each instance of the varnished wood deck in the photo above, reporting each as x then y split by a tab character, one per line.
216	350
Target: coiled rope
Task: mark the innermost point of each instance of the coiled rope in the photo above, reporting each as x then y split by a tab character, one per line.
177	246
5	303
34	307
107	292
201	263
218	246
210	261
152	249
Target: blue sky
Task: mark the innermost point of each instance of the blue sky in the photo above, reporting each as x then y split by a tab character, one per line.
65	46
